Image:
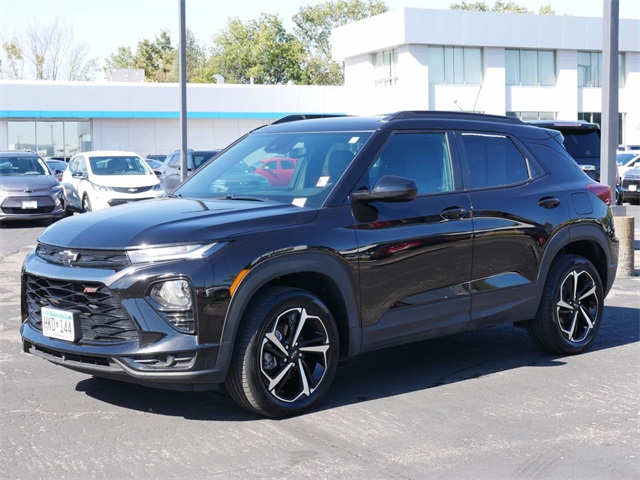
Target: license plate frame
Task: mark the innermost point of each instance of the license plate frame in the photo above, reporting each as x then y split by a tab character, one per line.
29	204
61	324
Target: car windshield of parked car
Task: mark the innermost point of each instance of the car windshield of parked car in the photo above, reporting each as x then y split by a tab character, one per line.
119	165
623	158
27	165
319	159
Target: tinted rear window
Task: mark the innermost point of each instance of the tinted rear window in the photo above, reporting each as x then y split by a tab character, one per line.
582	144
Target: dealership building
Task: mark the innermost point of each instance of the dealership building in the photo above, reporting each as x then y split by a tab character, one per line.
530	66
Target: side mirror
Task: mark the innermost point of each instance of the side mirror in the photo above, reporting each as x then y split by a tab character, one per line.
389	188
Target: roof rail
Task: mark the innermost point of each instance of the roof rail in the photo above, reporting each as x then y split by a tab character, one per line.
296	117
452	115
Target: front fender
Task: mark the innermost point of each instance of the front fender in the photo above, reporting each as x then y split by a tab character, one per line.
316	262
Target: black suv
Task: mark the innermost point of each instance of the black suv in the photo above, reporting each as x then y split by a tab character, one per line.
392	229
582	141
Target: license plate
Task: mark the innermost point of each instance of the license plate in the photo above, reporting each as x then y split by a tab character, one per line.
30	204
60	324
633	188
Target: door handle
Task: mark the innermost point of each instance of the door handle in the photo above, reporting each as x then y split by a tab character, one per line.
548	202
453	213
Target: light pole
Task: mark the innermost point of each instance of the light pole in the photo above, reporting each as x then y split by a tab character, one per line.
53	145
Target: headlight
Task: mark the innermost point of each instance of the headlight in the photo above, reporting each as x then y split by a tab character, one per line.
158	187
57	186
159	254
100	188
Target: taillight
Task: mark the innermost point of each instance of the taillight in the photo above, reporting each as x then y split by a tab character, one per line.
603	192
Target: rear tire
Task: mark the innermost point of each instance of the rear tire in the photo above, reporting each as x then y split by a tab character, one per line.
286	353
570	311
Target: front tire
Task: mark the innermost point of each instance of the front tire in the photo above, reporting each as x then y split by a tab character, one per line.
286	353
86	204
570	311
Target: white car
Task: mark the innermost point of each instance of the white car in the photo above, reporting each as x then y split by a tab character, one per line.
627	161
101	179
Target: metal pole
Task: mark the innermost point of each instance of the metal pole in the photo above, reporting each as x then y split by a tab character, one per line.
183	92
610	126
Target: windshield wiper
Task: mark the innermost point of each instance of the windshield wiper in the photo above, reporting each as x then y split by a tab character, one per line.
244	197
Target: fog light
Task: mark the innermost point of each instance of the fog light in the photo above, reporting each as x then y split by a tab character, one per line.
174	294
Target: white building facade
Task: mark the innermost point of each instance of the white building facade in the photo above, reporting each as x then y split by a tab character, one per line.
531	66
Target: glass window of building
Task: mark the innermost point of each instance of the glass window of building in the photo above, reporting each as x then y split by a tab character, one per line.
385	64
50	138
530	67
22	135
590	69
455	65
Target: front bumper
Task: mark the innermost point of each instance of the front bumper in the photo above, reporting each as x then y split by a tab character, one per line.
44	207
191	369
141	346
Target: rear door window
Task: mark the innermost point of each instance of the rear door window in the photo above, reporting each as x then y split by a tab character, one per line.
493	160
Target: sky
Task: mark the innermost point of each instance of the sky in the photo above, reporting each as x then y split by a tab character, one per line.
105	25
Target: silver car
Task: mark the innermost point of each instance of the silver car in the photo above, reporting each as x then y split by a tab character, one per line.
28	189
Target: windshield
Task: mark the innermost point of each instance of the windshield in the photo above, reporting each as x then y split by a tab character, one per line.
623	158
303	167
119	165
27	165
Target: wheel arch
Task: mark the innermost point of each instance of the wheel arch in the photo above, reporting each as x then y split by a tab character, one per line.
588	241
321	273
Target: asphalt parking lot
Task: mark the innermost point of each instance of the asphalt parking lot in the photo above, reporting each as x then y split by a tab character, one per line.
485	404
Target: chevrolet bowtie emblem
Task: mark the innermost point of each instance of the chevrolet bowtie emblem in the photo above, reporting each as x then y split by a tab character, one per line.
67	256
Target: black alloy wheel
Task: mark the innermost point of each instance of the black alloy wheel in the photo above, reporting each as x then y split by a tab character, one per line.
286	355
570	312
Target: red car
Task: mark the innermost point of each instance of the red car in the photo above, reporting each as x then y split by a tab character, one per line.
277	170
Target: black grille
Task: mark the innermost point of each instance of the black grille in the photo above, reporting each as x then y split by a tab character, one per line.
111	259
102	318
131	189
122	201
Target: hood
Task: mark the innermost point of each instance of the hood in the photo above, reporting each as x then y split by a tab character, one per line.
20	183
169	221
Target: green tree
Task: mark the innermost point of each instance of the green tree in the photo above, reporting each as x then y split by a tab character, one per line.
313	25
259	50
500	7
155	57
196	61
122	58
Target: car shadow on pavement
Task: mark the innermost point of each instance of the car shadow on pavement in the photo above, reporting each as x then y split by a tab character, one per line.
384	373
